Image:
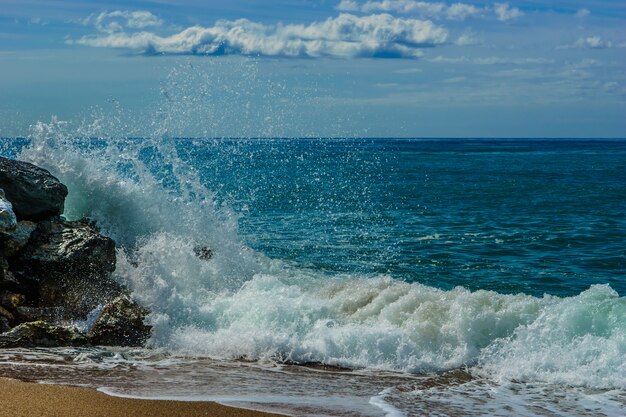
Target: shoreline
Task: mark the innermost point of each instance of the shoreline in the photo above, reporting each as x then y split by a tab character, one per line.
26	399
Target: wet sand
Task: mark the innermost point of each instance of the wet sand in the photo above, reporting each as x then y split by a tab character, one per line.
24	399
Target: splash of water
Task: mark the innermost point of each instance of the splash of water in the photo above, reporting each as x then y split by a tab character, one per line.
239	304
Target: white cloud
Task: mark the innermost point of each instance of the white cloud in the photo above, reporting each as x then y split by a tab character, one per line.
456	11
583	13
346	35
348	6
504	12
467	38
118	20
460	11
433	10
593	42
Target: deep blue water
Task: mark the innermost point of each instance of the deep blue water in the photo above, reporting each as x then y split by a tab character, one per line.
531	216
327	218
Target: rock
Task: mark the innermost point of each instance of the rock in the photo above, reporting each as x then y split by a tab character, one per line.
203	252
11	300
33	191
60	246
121	323
6	313
49	314
8	221
40	333
72	263
7	279
4	325
12	242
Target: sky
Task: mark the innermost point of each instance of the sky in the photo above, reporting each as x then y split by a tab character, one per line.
315	68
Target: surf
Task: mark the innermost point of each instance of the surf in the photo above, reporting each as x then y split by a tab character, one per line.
241	304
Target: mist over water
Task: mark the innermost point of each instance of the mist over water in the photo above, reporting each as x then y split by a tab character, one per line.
503	258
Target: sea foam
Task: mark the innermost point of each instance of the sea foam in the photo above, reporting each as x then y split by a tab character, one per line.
240	304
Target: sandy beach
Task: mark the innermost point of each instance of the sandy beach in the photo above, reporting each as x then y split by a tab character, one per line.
23	399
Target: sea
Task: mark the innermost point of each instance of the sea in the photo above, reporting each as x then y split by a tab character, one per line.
354	276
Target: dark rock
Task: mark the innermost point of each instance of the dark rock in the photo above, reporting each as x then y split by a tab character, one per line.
4	325
72	264
13	241
11	300
60	246
49	314
121	323
7	279
8	221
33	191
6	313
203	252
40	333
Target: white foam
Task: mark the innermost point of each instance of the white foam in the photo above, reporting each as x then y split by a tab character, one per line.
388	409
239	304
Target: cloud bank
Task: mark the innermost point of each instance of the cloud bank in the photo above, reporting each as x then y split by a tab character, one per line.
432	10
347	35
118	20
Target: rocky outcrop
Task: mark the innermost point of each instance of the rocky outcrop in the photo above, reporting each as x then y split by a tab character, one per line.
54	271
121	323
34	193
8	221
40	333
72	264
13	241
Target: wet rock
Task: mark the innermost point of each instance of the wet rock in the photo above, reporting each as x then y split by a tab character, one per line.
49	314
4	325
41	334
203	252
72	263
13	241
7	279
121	323
60	246
11	300
8	221
33	191
6	313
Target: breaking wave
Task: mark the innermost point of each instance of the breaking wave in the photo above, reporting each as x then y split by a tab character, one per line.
237	303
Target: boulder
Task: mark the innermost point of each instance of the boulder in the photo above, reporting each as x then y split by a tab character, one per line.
121	323
58	245
6	313
49	314
7	279
72	264
13	241
34	193
41	334
11	300
4	324
8	221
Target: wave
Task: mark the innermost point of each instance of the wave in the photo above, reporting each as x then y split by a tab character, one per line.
240	304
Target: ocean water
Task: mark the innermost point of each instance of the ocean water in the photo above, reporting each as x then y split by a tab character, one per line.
410	276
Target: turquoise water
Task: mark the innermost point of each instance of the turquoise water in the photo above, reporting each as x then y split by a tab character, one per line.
498	262
531	216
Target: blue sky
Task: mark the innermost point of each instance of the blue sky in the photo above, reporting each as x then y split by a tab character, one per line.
315	68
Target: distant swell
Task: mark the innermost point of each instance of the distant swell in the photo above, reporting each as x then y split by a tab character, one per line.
240	304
